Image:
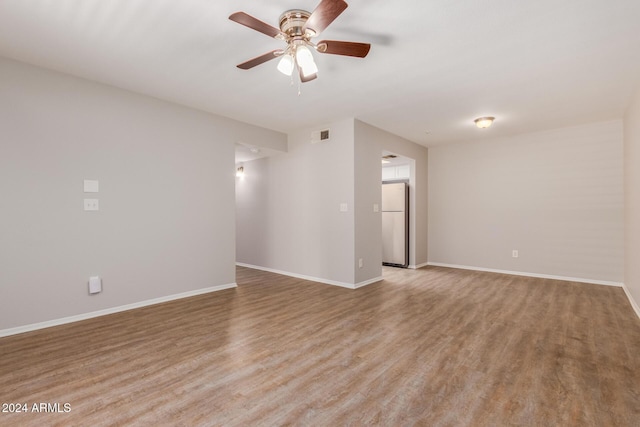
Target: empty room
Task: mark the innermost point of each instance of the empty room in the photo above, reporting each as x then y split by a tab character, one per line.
319	213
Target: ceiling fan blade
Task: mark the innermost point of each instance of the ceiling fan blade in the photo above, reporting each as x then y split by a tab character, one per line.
260	59
255	24
324	14
308	78
335	47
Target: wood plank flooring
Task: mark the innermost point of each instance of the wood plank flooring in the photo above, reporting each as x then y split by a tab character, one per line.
432	347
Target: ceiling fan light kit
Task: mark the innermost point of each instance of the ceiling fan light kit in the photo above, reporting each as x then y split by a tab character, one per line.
297	27
286	65
305	61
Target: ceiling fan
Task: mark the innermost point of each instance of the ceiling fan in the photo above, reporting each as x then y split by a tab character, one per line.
297	28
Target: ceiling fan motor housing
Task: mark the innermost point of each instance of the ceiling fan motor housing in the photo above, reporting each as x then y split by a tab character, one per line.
292	23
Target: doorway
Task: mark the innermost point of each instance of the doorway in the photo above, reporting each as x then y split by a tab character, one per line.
398	233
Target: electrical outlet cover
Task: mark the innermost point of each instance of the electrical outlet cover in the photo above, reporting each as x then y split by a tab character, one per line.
95	285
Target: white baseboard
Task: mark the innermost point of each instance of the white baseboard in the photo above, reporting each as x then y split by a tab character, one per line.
311	278
85	316
367	282
633	302
415	267
521	273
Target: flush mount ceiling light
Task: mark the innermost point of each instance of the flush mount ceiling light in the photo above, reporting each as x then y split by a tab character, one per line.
484	122
297	27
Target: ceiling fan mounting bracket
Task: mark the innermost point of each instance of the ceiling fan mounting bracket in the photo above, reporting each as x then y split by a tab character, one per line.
292	24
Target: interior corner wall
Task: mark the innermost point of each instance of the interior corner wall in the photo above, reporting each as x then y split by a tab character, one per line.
288	208
166	196
368	224
370	142
632	199
555	196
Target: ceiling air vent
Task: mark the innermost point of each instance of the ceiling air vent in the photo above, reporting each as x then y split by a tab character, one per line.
320	136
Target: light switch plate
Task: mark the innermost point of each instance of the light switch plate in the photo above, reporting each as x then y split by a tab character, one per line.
91	186
344	207
91	205
376	207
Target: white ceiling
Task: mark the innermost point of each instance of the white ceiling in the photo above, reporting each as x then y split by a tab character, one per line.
434	66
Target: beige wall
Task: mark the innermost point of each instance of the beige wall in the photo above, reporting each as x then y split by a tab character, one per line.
288	208
370	142
166	219
632	200
288	217
555	196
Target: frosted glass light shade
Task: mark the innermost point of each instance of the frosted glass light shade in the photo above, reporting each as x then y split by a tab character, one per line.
484	122
305	61
285	66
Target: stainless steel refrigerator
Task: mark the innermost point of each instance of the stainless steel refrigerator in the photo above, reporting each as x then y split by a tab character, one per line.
395	224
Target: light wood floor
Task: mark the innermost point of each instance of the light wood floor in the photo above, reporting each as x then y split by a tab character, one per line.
434	347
